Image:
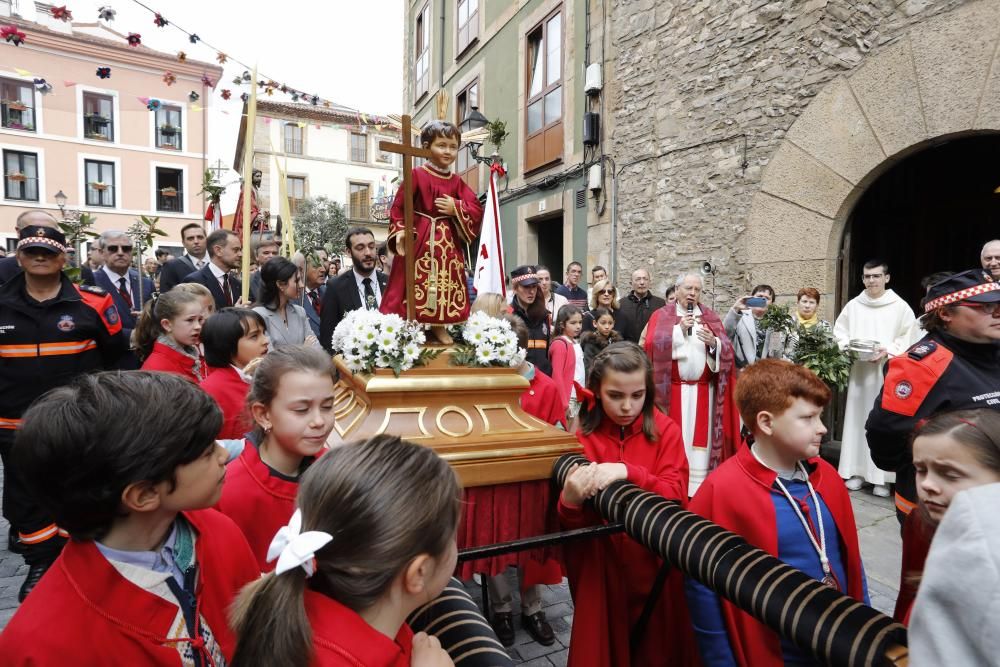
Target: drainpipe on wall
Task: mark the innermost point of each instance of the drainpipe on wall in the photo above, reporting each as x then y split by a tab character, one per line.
441	50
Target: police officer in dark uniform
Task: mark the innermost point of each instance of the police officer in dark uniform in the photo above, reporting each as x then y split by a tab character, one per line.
955	366
50	331
529	304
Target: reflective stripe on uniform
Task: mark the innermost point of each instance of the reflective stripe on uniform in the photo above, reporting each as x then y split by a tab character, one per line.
47	349
9	423
39	536
904	505
538	344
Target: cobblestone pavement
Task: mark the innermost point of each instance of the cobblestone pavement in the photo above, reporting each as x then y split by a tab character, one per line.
877	529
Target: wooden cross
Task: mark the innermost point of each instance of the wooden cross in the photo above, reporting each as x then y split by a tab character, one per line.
408	151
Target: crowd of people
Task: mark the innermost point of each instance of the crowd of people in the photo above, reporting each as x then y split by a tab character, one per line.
700	408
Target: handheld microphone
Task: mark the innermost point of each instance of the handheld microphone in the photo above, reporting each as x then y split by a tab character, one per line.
690	312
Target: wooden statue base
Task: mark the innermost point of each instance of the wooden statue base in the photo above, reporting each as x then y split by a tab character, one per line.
470	416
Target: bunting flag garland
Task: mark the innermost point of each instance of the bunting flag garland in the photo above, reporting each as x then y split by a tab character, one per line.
268	85
153	104
12	34
62	14
22	72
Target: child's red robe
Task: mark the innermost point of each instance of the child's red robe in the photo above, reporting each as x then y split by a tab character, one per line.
737	496
259	502
83	612
611	577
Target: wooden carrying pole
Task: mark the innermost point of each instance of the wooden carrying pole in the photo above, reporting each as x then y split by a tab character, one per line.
248	193
408	151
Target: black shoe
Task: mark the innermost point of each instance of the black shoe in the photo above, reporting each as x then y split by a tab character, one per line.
503	625
539	628
35	574
14	544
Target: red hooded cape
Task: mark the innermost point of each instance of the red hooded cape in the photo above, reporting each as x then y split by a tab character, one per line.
743	505
659	349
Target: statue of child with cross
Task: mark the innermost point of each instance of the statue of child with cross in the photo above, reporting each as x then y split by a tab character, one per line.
429	286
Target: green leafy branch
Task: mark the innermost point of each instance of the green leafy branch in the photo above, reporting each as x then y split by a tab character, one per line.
211	188
817	350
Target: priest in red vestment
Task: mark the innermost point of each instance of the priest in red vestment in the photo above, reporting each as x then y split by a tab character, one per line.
446	215
258	216
693	371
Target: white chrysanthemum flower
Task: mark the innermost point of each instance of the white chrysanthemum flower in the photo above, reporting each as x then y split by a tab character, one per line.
410	352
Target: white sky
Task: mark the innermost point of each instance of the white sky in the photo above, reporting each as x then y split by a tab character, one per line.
346	51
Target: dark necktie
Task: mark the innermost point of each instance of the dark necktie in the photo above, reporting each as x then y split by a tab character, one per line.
123	290
227	289
370	303
314	297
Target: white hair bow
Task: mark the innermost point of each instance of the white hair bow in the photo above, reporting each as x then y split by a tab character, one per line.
294	548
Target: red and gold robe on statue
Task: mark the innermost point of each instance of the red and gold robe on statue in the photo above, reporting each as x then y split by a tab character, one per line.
258	226
440	289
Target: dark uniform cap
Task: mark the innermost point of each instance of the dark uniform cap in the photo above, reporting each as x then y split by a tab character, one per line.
524	275
37	236
974	285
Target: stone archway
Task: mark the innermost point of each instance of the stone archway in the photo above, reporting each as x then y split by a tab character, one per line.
939	80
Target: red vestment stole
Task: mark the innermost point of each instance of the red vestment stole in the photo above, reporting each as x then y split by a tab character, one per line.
440	290
659	348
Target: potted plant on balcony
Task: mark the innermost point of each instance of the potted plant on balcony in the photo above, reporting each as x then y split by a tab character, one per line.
15	105
169	191
99	186
17	176
168	130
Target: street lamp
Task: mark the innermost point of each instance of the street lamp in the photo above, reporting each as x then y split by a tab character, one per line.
61	200
475	124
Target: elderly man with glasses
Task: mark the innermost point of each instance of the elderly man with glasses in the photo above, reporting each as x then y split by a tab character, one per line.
119	279
956	366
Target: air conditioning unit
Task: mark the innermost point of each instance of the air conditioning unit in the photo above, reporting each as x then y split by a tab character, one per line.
593	80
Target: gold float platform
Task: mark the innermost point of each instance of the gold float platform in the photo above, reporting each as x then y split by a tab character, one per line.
470	416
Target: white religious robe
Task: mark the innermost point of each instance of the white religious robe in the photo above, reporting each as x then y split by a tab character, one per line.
890	321
691	357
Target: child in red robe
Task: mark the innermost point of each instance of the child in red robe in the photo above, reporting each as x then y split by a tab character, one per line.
233	338
291	400
446	215
372	541
782	498
168	335
149	573
952	452
626	438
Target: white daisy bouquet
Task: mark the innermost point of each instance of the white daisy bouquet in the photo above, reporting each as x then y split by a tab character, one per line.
368	339
487	341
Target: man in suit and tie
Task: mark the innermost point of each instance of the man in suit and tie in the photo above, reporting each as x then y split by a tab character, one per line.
314	277
194	258
361	287
9	266
225	253
121	281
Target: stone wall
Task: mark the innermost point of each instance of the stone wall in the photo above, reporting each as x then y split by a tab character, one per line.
699	82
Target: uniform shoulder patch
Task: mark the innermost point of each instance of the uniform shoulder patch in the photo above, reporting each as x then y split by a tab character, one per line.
922	349
93	289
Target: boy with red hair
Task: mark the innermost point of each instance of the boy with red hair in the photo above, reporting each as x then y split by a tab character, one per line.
781	497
